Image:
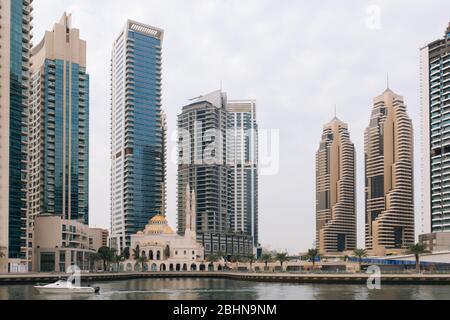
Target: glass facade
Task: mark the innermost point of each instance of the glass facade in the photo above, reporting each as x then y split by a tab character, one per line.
138	133
18	136
66	138
437	72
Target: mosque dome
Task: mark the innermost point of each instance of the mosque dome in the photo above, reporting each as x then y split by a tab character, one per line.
158	225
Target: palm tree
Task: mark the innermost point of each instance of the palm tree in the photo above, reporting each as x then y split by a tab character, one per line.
266	258
117	258
312	255
418	250
93	258
282	257
105	254
126	253
142	260
251	258
2	252
213	258
137	254
360	254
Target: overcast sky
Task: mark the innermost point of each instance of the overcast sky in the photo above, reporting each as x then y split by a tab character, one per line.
296	58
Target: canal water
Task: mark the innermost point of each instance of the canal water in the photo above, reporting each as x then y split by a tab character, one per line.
222	289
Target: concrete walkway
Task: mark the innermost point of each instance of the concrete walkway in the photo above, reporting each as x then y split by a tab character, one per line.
435	279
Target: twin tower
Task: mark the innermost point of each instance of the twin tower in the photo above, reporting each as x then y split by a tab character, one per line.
389	193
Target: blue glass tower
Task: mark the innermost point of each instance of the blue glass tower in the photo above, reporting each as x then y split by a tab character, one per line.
15	36
59	126
138	132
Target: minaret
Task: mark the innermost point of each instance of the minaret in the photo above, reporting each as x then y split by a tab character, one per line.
193	214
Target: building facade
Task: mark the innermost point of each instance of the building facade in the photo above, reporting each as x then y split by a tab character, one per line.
435	104
242	159
15	37
60	243
436	241
163	248
138	132
59	125
336	190
390	221
202	163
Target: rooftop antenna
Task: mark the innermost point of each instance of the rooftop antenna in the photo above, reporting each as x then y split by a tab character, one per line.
388	84
335	111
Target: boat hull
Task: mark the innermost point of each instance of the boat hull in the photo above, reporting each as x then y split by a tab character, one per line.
44	290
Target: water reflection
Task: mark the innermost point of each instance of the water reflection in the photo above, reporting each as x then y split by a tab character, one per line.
221	289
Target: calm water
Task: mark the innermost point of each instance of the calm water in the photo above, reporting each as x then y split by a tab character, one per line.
218	289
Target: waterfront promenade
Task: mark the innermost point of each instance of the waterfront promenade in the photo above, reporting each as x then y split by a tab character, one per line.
322	278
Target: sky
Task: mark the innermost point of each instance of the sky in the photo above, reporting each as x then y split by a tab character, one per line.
298	59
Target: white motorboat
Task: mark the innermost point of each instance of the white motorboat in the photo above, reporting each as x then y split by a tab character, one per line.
65	287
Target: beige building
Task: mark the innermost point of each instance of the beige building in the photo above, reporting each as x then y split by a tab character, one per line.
99	238
60	243
389	177
335	190
436	242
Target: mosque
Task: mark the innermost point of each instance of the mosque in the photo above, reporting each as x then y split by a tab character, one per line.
165	250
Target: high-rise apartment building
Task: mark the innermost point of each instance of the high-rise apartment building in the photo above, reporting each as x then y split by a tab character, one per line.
390	223
15	48
336	190
435	102
59	127
242	158
137	132
203	154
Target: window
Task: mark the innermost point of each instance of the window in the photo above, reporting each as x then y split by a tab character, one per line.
47	262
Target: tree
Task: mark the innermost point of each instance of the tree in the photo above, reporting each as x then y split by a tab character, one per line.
167	252
106	255
312	255
93	258
126	253
266	258
235	258
418	250
213	258
117	258
142	260
360	254
136	253
282	257
251	258
2	252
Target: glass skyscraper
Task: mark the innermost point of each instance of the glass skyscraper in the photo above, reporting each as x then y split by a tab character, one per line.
242	158
138	132
435	101
218	159
15	36
59	126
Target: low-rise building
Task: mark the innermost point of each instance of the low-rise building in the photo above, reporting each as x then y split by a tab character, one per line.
60	243
436	242
164	249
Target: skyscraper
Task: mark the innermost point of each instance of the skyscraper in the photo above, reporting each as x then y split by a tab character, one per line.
335	189
137	132
435	101
242	158
59	125
389	177
202	164
15	36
